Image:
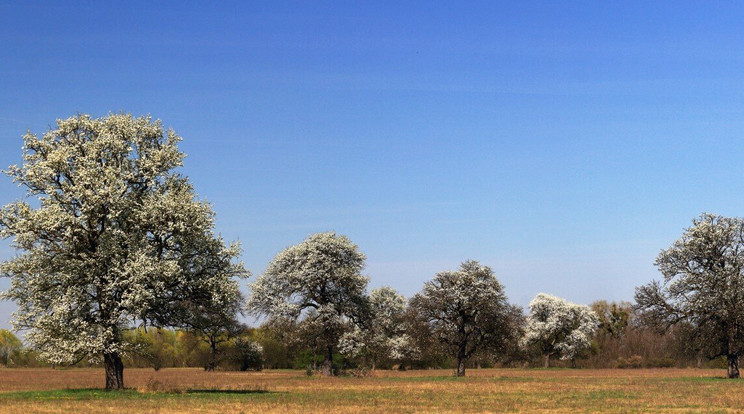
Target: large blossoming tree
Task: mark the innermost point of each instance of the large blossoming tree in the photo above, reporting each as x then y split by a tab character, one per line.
112	236
703	287
559	327
318	281
467	311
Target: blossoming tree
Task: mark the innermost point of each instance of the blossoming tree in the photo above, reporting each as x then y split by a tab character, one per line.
113	237
467	310
384	335
703	287
318	281
559	327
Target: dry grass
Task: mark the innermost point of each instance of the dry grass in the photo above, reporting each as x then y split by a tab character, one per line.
498	390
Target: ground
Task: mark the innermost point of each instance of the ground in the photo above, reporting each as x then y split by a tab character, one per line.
181	390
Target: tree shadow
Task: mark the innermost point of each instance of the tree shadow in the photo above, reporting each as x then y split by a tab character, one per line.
218	391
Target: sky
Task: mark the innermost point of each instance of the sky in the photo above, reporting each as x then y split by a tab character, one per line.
563	144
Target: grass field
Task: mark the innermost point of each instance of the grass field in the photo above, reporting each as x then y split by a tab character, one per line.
488	390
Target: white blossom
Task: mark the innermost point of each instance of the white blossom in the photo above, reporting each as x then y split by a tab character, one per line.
467	310
114	236
318	280
383	336
703	286
559	327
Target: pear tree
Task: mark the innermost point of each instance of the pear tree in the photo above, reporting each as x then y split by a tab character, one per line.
319	283
702	287
109	236
385	335
467	311
559	327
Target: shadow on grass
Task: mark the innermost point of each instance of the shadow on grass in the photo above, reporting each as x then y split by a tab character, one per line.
125	394
218	391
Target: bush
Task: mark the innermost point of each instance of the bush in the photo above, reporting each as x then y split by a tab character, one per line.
246	354
663	362
635	361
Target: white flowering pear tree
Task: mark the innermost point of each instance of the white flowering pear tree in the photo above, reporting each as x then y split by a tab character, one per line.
318	281
384	336
703	286
467	310
111	237
559	327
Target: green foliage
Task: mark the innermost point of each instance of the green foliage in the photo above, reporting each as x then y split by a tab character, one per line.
10	348
156	348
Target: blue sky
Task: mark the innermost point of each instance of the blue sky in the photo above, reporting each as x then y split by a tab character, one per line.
564	145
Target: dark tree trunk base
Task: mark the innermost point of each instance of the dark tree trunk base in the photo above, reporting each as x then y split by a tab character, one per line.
461	367
114	371
733	366
327	368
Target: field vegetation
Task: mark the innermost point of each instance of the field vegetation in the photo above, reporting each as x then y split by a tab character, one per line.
285	391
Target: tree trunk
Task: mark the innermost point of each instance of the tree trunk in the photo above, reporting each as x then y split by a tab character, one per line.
212	356
460	366
327	369
733	366
547	361
114	371
462	354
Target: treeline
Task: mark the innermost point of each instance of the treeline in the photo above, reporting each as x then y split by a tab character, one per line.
320	317
622	340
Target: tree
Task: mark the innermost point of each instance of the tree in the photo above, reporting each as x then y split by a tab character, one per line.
703	286
10	348
467	310
559	327
246	353
215	325
153	347
614	318
385	334
318	280
115	237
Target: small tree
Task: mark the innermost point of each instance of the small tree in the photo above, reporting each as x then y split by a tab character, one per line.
614	318
384	337
703	286
246	353
151	347
467	310
10	348
559	327
116	237
318	280
216	322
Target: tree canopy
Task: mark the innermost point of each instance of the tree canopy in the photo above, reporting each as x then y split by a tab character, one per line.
559	327
703	286
384	336
319	281
113	236
467	310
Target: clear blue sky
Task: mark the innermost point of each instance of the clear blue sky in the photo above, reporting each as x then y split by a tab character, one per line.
561	144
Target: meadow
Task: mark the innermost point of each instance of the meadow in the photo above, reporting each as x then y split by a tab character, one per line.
181	390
